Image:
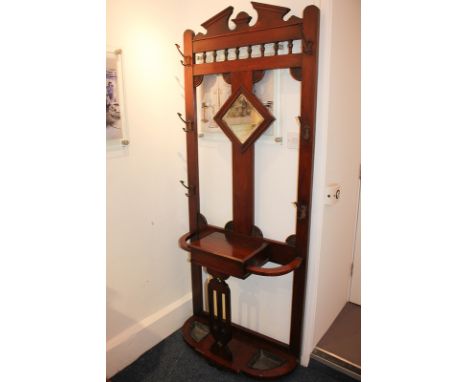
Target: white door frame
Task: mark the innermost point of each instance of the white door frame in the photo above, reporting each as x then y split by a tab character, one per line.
355	281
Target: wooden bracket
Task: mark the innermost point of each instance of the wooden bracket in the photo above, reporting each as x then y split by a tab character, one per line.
291	240
296	73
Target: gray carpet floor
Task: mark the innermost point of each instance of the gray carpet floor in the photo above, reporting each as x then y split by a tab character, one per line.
172	360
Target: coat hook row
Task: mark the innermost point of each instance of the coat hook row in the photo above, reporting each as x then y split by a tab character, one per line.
187	123
190	189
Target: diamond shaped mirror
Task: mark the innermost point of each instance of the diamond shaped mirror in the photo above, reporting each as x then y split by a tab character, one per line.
242	118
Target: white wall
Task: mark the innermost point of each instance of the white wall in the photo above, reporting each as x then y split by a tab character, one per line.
148	276
146	207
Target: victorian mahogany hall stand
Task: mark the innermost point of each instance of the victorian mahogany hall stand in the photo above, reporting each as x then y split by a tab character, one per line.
239	249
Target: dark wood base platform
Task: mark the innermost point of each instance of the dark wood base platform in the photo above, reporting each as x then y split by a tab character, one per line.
253	354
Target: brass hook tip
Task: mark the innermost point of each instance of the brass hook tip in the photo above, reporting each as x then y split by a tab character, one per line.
180	116
178	48
183	184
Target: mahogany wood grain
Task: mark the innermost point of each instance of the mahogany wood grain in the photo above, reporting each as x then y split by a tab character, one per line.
192	165
311	20
230	246
243	170
250	64
245	38
230	253
227	252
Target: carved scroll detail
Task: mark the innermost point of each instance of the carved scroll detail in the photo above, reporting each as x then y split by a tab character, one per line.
242	21
269	16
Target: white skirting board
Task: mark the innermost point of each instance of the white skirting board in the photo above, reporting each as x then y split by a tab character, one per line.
128	345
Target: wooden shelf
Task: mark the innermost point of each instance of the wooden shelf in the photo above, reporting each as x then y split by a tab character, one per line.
238	255
230	246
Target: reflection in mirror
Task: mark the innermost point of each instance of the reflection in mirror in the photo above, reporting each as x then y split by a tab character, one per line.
242	118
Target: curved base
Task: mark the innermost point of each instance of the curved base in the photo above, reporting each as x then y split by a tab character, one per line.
252	353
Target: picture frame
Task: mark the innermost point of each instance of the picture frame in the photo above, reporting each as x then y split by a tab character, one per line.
116	119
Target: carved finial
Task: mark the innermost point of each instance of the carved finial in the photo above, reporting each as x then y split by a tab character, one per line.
269	14
218	24
242	20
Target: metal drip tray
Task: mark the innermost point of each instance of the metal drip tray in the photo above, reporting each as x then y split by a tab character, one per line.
263	360
199	331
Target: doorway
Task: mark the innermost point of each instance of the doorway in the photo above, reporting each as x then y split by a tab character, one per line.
340	346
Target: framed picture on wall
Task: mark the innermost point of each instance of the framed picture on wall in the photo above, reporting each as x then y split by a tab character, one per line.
116	126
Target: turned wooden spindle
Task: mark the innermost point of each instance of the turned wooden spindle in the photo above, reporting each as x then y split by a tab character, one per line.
215	53
290	46
204	57
237	52
262	49
249	51
226	54
276	47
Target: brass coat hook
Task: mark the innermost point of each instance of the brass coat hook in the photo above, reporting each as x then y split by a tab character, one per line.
187	123
189	188
187	60
178	48
301	210
307	45
268	104
305	128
